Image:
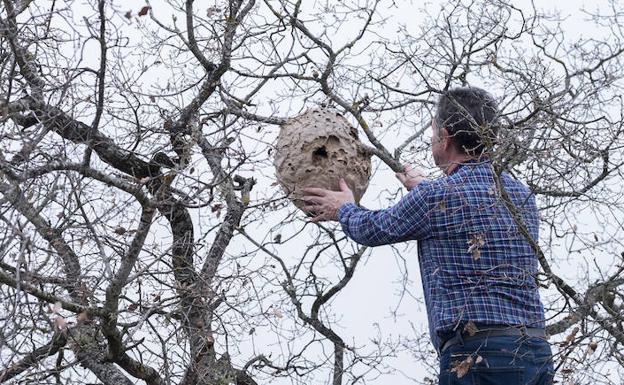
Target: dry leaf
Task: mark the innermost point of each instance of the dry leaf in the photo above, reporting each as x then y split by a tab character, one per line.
471	328
128	15
60	323
120	230
212	11
82	318
217	209
474	245
461	368
570	338
591	348
144	10
133	306
277	312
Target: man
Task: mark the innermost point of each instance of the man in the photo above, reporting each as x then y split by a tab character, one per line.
478	271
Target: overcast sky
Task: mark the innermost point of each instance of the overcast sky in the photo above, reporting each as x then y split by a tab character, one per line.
376	294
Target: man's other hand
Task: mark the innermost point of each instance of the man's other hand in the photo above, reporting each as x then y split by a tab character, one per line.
410	177
324	204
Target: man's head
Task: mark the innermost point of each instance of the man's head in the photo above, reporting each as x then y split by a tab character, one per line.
465	124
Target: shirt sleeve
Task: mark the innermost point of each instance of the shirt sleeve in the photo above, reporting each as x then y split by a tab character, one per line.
406	220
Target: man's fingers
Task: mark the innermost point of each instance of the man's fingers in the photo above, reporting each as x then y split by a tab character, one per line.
320	218
311	209
313	199
316	219
318	215
343	185
315	191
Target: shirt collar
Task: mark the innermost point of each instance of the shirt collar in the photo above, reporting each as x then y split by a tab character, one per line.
470	162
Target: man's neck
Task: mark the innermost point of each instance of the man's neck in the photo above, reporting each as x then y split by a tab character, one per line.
456	161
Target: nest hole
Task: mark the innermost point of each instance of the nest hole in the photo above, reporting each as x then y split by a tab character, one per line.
319	154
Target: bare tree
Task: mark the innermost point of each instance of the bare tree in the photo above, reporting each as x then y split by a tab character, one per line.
143	238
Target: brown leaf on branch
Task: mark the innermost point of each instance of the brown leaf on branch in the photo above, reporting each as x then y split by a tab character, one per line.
144	10
570	338
474	245
212	11
83	318
471	328
461	368
217	209
277	312
60	323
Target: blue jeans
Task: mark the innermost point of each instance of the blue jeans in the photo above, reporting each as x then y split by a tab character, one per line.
507	360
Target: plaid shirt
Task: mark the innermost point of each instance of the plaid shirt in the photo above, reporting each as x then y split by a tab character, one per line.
475	264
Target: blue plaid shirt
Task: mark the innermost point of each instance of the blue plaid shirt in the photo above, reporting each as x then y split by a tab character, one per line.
475	264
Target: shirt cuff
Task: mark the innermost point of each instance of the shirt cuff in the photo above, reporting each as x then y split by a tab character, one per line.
344	212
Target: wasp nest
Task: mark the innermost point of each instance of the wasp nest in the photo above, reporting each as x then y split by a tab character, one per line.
318	148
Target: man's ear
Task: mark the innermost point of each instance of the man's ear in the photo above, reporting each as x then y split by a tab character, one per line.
445	137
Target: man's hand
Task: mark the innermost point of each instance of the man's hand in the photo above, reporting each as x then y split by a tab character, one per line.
410	177
324	204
